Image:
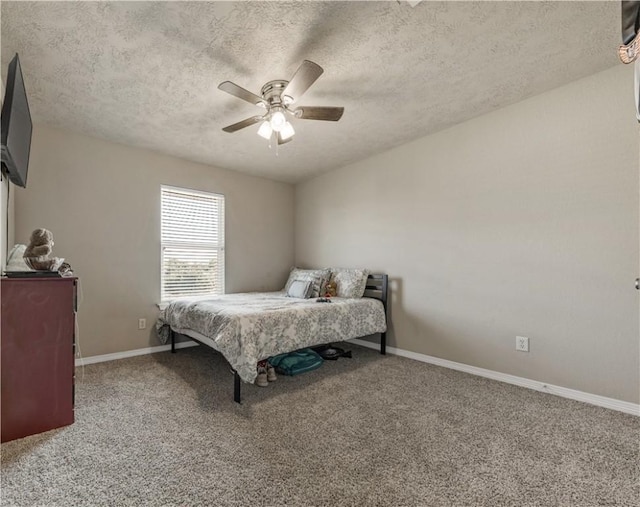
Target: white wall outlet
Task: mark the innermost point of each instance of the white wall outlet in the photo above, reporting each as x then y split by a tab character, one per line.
142	323
522	343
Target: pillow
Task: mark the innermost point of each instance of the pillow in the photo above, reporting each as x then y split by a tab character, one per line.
300	289
350	283
317	277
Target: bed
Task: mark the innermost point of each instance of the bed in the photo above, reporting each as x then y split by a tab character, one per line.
246	328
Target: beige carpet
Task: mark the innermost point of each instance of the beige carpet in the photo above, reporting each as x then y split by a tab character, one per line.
163	430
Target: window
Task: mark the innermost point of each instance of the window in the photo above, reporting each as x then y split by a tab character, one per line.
192	243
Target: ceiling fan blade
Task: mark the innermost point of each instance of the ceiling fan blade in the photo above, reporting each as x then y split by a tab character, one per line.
304	77
241	93
319	113
242	124
283	141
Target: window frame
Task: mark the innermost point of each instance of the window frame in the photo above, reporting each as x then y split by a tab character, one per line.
220	276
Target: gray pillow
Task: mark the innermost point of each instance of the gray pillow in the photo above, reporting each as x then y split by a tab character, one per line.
300	289
317	277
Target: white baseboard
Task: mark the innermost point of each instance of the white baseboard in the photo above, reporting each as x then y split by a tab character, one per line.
572	394
131	353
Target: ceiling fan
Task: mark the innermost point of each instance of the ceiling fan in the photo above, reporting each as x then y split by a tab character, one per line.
278	98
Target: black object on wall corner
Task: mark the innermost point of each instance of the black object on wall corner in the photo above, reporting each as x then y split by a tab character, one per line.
630	20
629	51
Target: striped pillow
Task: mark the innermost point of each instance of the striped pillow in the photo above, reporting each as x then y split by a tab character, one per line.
317	277
300	289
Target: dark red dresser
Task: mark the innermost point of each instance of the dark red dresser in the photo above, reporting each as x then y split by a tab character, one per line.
37	349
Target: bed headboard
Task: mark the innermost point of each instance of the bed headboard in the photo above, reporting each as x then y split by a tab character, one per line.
378	287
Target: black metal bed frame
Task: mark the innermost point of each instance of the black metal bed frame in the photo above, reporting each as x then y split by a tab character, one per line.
377	287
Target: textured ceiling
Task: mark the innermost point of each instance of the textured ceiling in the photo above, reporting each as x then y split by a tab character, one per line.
146	73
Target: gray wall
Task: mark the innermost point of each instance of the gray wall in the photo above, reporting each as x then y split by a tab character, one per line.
102	202
520	222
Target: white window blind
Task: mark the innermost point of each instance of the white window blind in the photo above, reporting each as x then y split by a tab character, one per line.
192	243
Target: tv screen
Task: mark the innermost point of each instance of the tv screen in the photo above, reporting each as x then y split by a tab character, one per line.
16	126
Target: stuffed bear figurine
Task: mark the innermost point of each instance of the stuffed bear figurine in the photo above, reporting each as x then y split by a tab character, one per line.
330	289
36	255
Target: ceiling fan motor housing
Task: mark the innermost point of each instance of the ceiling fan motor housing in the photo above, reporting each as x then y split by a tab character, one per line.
272	93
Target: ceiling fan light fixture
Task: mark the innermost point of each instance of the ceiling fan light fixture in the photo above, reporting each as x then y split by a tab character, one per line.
287	131
278	119
265	130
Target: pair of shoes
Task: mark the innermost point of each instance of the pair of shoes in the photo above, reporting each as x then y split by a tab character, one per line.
271	373
261	379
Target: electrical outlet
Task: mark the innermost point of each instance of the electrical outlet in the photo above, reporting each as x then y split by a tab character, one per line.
522	343
142	323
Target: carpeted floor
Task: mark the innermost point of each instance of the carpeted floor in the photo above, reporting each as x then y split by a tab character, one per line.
163	430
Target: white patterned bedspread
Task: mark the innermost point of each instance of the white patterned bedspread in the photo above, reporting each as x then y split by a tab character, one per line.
249	327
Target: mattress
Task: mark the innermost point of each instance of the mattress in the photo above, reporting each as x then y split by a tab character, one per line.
249	327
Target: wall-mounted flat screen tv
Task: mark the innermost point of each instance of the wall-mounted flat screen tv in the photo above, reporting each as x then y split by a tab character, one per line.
16	126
